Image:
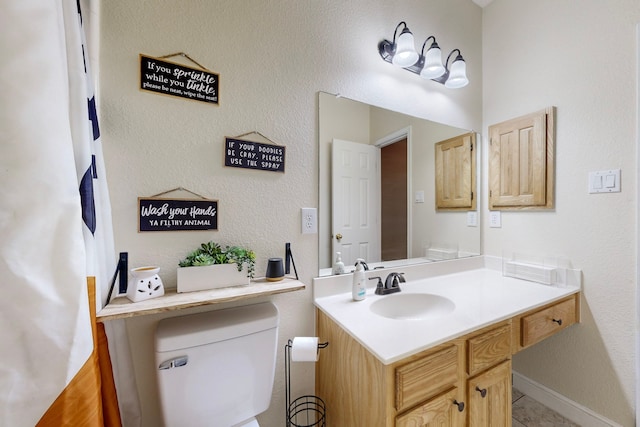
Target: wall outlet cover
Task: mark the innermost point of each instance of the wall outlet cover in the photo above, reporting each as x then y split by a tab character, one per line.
607	181
472	219
309	220
495	219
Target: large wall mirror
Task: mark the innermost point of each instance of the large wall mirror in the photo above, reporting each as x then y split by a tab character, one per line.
377	187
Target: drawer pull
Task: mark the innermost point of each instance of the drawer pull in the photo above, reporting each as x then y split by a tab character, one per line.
558	321
460	405
483	392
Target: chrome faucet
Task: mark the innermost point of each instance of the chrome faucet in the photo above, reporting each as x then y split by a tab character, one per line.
391	284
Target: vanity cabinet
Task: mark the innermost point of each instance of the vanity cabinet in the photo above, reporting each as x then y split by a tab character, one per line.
463	382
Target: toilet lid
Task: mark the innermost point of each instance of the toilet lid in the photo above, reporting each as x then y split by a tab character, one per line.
249	423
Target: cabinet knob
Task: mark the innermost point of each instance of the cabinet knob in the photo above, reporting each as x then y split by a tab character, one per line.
460	405
558	321
483	391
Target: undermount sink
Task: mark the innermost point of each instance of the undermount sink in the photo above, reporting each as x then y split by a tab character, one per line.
412	306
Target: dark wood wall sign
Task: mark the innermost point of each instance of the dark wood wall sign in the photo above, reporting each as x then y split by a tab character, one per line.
159	214
161	76
254	155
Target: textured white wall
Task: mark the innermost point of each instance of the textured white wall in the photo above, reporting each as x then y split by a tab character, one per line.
273	57
580	57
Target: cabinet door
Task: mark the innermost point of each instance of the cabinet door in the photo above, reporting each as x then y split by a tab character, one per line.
521	162
456	173
490	397
445	410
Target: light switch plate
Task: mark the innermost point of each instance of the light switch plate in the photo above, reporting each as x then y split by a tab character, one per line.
495	219
606	181
419	197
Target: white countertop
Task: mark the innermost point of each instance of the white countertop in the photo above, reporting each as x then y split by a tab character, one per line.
481	295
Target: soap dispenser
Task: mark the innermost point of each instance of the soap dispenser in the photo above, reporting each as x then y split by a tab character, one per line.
359	289
338	267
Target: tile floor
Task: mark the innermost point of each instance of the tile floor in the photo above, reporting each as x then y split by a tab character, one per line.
527	412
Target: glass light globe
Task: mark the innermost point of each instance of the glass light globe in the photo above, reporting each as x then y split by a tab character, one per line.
458	74
433	67
405	54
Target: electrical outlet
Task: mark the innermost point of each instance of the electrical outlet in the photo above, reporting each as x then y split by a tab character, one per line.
472	219
495	219
309	221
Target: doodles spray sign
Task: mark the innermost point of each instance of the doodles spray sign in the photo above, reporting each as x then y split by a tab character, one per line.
254	155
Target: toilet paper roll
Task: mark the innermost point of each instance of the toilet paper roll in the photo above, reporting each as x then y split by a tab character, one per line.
304	349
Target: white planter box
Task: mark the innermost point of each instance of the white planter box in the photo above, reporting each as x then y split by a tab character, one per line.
210	277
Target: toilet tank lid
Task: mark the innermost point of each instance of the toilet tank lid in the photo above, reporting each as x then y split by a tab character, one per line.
192	330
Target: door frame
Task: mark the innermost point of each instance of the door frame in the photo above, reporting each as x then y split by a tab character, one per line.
391	139
637	331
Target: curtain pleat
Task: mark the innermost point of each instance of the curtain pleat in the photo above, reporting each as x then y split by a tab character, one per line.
110	409
90	399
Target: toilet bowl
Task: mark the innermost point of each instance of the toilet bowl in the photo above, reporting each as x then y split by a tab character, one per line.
217	368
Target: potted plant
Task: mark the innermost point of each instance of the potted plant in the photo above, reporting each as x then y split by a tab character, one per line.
211	266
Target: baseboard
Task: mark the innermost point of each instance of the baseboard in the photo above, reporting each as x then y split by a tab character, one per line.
567	408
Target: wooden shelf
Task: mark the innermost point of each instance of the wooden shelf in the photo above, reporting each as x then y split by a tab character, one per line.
122	307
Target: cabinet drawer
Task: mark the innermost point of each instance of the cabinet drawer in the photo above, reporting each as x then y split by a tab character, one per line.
488	349
546	322
418	380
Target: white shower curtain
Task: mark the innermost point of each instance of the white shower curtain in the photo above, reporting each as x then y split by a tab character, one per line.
55	221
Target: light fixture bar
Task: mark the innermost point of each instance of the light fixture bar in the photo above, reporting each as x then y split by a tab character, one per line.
453	77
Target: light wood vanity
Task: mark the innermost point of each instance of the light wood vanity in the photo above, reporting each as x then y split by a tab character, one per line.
465	381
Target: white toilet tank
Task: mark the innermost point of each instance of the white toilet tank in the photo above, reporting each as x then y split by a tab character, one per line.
216	368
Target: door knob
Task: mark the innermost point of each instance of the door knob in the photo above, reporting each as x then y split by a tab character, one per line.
339	236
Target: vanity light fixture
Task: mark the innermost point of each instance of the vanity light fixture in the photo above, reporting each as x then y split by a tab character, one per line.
401	52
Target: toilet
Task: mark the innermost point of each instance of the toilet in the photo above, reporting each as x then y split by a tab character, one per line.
216	369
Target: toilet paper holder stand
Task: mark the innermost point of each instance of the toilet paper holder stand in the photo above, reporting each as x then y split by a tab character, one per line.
305	411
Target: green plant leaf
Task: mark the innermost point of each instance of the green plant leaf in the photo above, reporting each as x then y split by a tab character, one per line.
210	253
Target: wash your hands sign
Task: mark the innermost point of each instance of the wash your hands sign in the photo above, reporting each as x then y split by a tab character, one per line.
160	214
